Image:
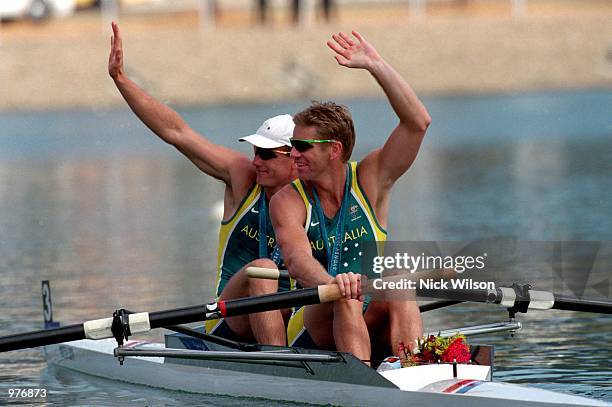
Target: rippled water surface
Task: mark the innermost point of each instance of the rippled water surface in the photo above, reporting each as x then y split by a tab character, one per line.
116	218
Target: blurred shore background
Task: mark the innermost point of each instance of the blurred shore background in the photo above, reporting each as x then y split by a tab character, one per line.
185	55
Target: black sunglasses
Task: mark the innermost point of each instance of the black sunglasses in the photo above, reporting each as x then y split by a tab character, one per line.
268	154
304	145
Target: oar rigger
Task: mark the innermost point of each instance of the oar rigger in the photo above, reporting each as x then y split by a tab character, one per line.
120	328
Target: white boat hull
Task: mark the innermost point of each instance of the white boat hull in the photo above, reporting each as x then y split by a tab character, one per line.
400	389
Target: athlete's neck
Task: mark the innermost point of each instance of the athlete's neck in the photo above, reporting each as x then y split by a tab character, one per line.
330	188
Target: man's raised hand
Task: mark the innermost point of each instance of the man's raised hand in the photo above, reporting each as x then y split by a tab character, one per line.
115	59
353	53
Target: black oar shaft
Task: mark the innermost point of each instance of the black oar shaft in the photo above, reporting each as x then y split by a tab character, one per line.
177	316
458	295
43	337
239	306
582	305
282	300
437	305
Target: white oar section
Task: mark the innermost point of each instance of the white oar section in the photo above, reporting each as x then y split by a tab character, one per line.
541	300
102	328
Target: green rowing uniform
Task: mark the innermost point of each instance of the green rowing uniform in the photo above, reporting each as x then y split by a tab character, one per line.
359	225
239	244
239	239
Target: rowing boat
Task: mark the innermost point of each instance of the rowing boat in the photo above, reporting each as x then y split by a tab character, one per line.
192	361
296	375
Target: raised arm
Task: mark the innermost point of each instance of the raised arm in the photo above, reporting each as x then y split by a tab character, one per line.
215	160
386	165
288	216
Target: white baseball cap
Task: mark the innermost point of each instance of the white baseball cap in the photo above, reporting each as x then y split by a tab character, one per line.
273	133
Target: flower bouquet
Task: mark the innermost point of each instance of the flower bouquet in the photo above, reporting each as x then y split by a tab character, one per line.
435	349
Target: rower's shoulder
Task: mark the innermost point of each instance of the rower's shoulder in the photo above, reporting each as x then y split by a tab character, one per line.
288	216
370	163
242	174
287	203
242	180
377	192
286	195
366	173
242	165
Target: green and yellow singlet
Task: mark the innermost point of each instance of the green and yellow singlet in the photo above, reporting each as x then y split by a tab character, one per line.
360	225
239	239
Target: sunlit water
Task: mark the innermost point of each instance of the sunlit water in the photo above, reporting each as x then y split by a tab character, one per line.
115	218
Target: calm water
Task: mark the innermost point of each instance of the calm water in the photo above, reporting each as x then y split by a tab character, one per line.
115	218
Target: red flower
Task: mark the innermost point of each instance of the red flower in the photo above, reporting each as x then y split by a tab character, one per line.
457	351
434	349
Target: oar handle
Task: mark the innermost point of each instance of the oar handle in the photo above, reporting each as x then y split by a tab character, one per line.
329	293
266	273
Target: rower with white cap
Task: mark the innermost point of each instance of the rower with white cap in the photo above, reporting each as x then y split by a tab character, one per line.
246	236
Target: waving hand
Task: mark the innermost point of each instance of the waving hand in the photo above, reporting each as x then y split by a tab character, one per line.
115	59
351	53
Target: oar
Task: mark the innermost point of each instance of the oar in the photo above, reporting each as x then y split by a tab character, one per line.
521	299
142	322
275	274
517	298
266	273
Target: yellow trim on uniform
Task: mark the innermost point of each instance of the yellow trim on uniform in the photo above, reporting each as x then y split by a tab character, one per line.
295	326
227	227
211	324
299	187
381	234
